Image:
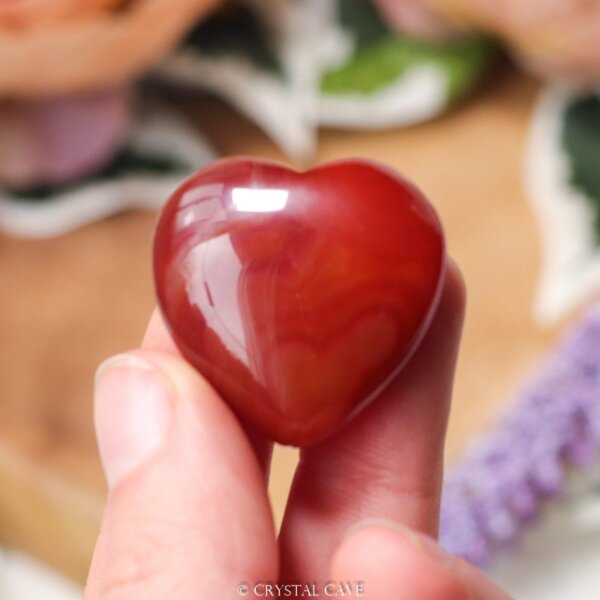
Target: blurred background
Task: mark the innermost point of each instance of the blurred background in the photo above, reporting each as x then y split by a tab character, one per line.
491	110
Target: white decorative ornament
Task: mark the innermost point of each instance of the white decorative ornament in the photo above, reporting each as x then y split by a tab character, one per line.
558	557
570	273
420	94
260	95
23	578
157	131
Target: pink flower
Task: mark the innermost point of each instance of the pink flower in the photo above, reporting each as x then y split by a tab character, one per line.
54	141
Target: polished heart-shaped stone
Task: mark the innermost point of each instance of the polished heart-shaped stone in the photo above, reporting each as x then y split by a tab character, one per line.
299	296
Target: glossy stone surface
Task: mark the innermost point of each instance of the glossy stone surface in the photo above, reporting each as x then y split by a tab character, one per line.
297	295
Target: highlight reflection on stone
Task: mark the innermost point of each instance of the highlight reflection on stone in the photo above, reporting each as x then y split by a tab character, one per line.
299	296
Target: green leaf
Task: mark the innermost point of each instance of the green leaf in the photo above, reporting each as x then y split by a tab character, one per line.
381	56
581	142
237	31
126	163
378	65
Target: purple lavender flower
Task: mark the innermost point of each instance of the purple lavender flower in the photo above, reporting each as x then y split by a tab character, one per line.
507	475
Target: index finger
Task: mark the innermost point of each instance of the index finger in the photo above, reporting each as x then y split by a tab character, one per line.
388	462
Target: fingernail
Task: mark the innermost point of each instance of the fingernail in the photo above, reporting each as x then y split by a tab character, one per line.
422	541
132	413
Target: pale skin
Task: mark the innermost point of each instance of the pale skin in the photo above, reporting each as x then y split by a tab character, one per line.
188	516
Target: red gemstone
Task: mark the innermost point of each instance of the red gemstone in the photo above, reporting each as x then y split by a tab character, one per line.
299	296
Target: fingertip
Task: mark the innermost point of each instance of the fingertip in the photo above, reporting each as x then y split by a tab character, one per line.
157	335
436	354
455	293
457	283
133	407
139	394
187	381
394	562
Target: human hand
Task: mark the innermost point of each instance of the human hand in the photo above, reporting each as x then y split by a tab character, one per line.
188	515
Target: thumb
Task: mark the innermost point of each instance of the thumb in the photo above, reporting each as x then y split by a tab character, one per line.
391	562
187	511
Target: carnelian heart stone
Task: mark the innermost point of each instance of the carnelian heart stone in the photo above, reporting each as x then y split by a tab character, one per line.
299	296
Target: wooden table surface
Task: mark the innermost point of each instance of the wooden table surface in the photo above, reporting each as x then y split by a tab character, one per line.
69	302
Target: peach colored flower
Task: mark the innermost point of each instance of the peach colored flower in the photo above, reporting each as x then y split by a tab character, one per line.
50	47
551	37
416	17
29	14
